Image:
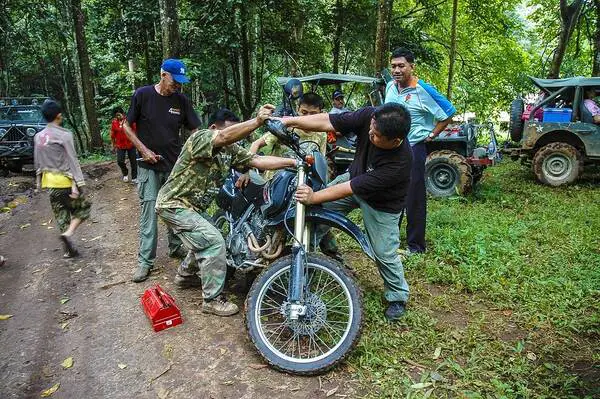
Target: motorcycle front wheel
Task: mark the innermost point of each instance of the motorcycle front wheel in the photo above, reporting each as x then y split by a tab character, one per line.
324	335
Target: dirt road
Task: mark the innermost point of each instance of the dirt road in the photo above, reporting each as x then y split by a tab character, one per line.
89	310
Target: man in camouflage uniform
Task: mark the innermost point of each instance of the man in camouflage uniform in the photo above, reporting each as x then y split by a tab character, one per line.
204	163
310	104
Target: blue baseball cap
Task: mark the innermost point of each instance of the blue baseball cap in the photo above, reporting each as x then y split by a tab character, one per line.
176	68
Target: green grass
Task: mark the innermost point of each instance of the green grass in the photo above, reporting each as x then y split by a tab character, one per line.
506	303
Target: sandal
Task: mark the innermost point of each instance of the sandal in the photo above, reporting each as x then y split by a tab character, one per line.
70	251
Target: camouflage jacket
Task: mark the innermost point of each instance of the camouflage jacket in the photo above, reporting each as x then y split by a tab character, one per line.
199	168
279	150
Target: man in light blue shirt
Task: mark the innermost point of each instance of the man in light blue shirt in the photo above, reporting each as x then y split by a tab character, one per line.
430	113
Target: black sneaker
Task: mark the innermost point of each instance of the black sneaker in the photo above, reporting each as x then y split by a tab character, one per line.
395	311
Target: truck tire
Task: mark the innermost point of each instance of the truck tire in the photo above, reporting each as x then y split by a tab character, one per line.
447	173
516	120
556	164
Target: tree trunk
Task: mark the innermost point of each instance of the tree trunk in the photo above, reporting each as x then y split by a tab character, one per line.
452	49
569	16
596	62
339	30
86	76
170	28
384	13
147	58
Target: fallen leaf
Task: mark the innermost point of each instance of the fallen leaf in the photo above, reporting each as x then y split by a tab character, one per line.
67	363
44	224
5	316
257	366
50	391
77	271
95	238
123	199
332	391
64	325
437	352
50	227
65	300
5	209
24	226
421	385
531	356
122	366
228	382
163	393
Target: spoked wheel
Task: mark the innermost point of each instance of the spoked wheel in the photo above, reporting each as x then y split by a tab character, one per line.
317	340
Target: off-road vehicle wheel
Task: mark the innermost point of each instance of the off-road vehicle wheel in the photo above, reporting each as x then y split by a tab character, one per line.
516	122
556	164
447	173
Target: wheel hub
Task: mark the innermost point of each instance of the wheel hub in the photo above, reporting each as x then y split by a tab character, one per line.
558	165
443	177
314	319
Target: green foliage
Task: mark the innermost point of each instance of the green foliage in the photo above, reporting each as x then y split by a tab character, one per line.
504	304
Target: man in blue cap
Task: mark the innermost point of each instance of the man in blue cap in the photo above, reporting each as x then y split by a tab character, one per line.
160	112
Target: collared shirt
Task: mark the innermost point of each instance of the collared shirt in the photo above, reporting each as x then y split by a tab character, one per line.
200	167
425	104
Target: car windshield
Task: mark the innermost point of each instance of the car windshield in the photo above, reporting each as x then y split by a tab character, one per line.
21	114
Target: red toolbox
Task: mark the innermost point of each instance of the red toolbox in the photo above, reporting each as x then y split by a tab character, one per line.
160	308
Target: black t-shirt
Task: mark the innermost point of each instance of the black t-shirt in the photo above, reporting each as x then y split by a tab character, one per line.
379	177
159	120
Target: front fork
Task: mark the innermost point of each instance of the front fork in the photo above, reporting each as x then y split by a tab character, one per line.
301	243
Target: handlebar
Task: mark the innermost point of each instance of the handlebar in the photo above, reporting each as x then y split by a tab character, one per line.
286	137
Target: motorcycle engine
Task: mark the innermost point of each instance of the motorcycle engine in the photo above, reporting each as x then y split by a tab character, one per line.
237	243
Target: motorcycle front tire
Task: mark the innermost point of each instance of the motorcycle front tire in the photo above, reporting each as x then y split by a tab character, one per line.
349	332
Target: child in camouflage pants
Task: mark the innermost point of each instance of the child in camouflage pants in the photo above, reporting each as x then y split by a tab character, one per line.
58	170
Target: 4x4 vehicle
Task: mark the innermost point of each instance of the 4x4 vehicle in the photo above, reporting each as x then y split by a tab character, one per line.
359	91
454	162
556	133
19	123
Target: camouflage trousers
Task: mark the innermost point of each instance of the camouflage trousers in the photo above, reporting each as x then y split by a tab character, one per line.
205	244
66	208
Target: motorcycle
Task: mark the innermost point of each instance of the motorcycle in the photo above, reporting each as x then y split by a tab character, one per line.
304	311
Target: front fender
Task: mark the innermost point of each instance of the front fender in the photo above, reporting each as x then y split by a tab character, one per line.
318	215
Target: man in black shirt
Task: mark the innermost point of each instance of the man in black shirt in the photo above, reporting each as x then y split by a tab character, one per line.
160	111
377	183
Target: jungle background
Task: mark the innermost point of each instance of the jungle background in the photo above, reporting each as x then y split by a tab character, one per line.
91	54
505	304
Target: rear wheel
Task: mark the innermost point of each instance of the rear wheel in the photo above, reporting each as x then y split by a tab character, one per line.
447	173
516	120
317	340
556	164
